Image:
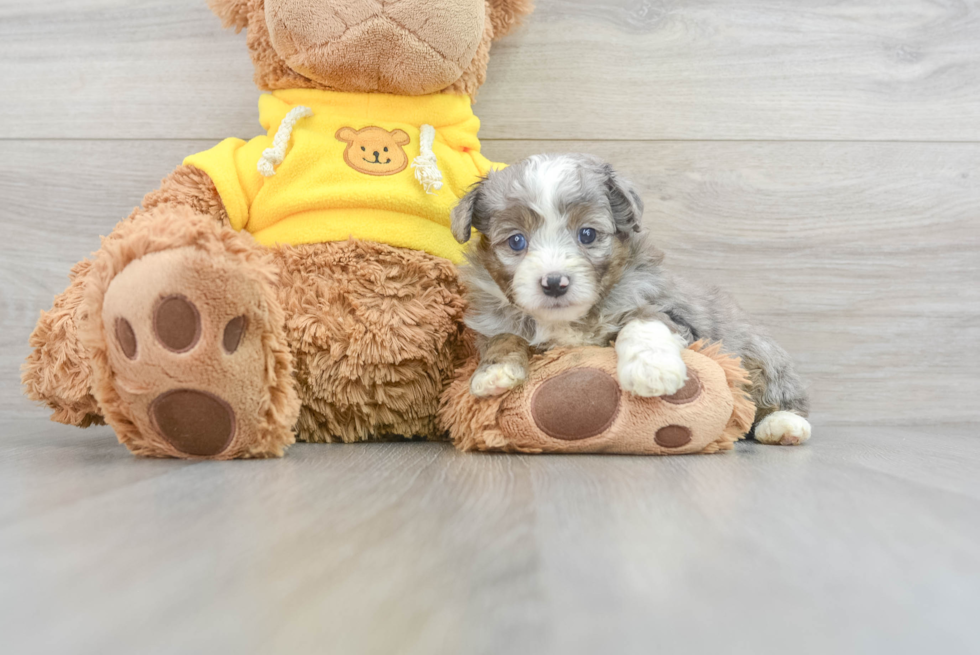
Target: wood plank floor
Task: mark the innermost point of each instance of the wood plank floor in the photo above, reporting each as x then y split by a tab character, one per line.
866	541
818	158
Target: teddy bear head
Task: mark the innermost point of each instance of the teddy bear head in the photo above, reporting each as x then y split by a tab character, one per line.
408	47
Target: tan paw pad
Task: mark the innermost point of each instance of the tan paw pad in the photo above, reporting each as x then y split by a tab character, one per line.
577	404
177	324
194	422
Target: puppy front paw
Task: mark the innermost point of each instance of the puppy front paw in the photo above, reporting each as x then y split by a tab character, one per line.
783	428
652	373
495	379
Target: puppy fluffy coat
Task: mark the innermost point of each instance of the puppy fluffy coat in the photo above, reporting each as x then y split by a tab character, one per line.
563	260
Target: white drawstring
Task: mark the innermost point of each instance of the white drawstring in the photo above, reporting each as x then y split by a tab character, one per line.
273	156
426	167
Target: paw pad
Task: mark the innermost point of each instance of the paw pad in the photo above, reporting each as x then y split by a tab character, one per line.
673	436
577	404
126	338
234	332
177	324
194	422
686	394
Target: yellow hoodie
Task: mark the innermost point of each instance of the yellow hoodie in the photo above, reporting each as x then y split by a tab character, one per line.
354	165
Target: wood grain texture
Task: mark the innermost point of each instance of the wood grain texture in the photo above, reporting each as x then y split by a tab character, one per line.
580	69
863	543
862	259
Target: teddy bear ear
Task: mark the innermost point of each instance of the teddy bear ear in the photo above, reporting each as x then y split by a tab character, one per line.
233	13
346	134
506	14
401	137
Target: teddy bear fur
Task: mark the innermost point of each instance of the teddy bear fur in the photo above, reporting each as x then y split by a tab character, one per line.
346	341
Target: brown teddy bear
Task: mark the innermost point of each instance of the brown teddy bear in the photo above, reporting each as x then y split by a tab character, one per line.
303	280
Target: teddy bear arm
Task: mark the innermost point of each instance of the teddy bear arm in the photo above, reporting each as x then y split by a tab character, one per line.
191	187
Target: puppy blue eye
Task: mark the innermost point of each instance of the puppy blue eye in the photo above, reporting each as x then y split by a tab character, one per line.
517	242
586	235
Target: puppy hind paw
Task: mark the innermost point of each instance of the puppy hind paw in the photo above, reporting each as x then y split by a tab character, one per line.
655	373
783	428
495	379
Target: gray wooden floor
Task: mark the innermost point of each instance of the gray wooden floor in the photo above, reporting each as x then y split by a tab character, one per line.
865	541
819	158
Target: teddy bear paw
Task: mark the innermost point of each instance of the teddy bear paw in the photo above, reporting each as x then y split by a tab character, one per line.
495	379
783	428
188	345
649	373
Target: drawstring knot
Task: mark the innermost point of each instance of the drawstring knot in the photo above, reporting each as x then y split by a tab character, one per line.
273	156
426	167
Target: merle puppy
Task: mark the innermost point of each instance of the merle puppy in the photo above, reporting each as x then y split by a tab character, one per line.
563	261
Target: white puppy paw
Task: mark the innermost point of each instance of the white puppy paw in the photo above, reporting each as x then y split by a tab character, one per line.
783	428
496	379
650	362
652	373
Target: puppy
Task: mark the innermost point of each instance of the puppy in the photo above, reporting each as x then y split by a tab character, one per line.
563	261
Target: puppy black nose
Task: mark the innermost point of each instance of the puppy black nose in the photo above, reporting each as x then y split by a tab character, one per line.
377	154
554	284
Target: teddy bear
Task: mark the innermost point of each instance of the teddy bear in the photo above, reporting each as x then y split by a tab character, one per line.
299	285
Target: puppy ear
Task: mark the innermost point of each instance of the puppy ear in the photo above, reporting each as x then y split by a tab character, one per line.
625	202
506	14
469	213
401	137
233	13
346	134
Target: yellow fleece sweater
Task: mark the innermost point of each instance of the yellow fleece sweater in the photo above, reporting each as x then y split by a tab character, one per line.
349	169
